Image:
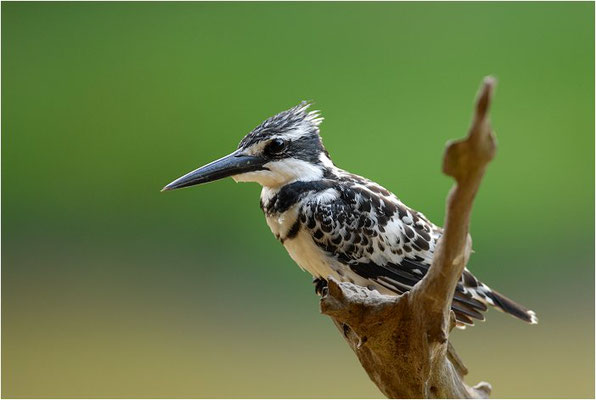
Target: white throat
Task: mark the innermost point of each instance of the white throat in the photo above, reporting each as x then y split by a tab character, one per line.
283	172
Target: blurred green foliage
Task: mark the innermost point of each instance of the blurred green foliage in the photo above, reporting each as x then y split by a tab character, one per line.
113	289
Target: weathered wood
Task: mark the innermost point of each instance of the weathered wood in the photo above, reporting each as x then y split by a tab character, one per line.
402	342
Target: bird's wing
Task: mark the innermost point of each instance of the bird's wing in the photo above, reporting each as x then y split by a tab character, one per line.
367	229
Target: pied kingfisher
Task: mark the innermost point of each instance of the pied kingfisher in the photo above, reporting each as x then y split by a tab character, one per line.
337	224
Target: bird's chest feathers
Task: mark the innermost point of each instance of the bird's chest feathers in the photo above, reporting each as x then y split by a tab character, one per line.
286	227
280	223
299	244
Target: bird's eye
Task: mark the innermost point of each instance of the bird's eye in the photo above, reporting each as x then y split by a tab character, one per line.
276	146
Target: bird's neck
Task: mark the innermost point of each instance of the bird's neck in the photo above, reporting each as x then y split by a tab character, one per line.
293	173
278	199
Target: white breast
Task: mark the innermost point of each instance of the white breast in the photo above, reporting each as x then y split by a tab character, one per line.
303	249
308	256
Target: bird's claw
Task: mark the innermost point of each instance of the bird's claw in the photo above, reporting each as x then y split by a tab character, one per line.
320	286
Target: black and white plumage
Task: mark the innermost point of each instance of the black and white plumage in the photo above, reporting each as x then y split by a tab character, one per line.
334	223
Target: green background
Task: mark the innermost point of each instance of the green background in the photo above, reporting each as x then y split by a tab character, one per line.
113	289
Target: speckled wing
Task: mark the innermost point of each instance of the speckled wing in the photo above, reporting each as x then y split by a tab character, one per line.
365	228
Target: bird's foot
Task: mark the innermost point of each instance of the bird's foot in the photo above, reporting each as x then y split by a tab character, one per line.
320	286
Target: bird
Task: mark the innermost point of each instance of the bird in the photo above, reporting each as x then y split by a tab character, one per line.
336	224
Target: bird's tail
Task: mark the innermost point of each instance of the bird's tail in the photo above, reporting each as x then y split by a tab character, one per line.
473	290
509	306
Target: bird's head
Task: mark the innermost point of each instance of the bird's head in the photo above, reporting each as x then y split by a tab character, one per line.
284	148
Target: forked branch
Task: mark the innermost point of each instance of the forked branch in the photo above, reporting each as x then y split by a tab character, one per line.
402	342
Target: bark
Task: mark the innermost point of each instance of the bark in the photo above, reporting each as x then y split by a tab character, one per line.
403	342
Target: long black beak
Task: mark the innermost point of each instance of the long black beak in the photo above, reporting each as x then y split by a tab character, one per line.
232	164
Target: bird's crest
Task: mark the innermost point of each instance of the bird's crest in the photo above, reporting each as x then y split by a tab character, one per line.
293	119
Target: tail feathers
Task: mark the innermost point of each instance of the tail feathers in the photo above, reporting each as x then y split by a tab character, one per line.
510	307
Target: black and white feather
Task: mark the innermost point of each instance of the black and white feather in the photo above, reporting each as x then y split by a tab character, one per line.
334	223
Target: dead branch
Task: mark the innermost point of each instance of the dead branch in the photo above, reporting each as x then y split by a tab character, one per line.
402	342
